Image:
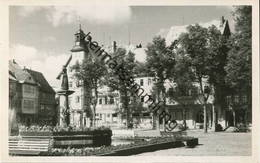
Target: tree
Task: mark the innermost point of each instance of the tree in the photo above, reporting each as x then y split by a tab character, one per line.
160	62
239	60
118	79
195	44
183	91
91	72
218	48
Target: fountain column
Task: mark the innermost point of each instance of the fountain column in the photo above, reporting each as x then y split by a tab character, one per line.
64	92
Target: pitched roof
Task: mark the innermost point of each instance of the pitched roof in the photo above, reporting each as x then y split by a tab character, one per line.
12	76
40	79
224	28
21	75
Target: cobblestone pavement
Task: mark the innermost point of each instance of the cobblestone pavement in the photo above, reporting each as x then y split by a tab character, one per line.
211	144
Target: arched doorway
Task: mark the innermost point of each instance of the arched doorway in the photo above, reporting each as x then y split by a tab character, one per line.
200	117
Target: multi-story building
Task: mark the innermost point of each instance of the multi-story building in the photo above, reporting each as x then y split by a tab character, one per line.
47	112
109	104
80	101
107	107
190	108
32	100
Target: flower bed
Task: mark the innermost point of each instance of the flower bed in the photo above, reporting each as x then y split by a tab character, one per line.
69	137
148	145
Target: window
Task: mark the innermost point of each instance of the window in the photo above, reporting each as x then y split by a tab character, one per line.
236	99
112	101
100	101
28	89
77	38
108	115
228	98
106	100
28	104
146	114
149	81
77	83
141	82
189	92
42	107
244	99
77	99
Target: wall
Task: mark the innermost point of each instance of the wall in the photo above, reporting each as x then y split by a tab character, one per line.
30	102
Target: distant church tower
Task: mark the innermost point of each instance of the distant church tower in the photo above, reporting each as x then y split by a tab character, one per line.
79	101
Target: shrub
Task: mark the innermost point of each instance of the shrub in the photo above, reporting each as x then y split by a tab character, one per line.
45	128
219	128
242	127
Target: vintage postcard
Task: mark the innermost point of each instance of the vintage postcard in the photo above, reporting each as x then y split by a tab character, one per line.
130	81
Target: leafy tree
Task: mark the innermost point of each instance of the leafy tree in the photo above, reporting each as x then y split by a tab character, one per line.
118	79
183	91
195	44
92	73
218	48
239	59
142	69
239	64
160	62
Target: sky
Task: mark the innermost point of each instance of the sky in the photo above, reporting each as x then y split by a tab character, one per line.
41	36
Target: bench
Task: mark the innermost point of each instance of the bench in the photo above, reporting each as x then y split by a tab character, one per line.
28	146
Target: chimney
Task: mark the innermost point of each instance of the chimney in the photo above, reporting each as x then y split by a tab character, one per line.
114	46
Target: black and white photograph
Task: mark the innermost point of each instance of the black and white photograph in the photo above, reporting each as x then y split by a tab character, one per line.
103	81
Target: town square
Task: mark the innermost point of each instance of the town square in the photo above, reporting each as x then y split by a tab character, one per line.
130	81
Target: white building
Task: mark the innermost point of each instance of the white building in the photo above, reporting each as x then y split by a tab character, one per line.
108	104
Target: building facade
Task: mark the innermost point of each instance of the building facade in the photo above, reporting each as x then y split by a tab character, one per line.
109	104
31	98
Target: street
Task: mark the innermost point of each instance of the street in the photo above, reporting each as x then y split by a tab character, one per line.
211	144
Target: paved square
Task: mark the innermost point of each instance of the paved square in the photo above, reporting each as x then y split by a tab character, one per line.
211	144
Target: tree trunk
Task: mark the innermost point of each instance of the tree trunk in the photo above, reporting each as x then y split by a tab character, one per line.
184	118
127	110
205	118
157	122
234	118
204	101
94	116
214	118
94	106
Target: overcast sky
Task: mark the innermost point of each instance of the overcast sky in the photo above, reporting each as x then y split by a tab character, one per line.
41	37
